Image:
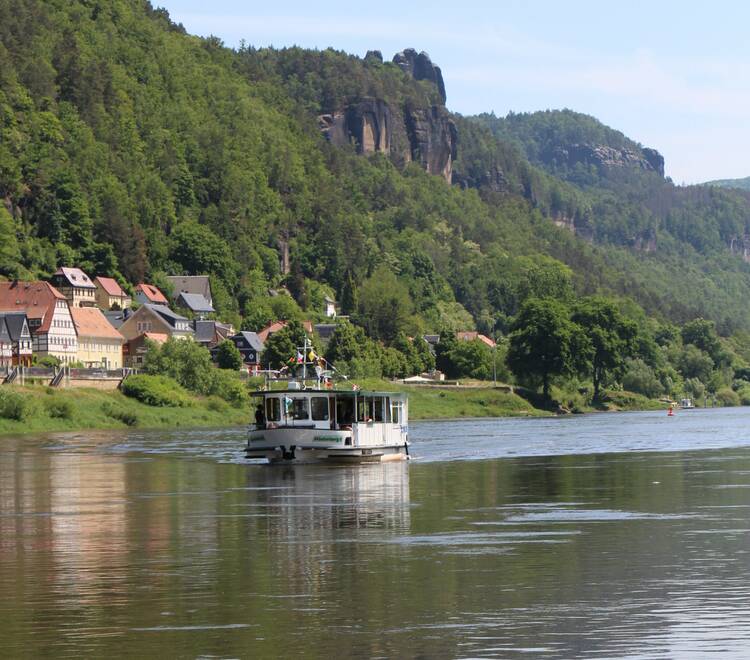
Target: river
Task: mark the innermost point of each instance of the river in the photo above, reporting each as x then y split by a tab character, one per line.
611	535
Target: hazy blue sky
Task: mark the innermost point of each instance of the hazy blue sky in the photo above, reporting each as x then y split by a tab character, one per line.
671	75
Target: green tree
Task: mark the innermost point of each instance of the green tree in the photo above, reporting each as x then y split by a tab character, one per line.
695	363
354	354
199	251
10	255
228	356
385	307
471	359
611	336
702	334
283	345
185	361
544	343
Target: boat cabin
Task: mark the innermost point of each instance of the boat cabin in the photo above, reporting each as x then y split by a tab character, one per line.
327	409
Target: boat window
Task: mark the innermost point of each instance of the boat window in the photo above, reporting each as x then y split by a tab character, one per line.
345	411
319	406
387	409
297	408
365	409
396	412
273	409
377	404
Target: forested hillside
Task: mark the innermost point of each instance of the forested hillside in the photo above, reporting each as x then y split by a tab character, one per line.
740	184
133	149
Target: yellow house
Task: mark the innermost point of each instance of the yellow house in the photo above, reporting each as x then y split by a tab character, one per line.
99	344
109	294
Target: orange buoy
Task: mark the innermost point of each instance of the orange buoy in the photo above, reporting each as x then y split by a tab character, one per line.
670	412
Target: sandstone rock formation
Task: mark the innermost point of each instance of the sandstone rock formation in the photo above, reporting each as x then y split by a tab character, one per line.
420	67
425	135
605	157
374	56
367	124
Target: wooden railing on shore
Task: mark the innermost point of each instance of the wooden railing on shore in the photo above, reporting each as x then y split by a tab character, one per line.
62	376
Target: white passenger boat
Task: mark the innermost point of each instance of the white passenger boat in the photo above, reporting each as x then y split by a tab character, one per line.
328	425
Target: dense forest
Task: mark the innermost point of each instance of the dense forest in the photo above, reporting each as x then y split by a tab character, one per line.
133	149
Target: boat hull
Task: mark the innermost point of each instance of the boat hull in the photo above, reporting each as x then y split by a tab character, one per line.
290	445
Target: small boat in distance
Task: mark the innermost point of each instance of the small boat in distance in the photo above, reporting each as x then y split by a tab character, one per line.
301	424
686	404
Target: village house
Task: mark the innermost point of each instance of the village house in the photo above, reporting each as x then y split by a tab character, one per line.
17	328
49	320
196	285
134	351
157	319
194	303
211	333
149	294
470	335
99	344
274	327
330	307
76	286
109	294
250	347
6	347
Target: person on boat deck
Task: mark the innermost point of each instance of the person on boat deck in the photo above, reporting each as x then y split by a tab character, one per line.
260	417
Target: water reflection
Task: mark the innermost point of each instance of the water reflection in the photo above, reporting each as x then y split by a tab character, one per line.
333	498
141	544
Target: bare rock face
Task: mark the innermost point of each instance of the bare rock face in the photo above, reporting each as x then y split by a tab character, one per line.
605	157
374	57
740	245
655	159
425	135
433	138
420	67
366	124
492	179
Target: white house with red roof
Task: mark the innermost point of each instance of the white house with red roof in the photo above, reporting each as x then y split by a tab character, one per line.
76	286
109	294
149	294
48	313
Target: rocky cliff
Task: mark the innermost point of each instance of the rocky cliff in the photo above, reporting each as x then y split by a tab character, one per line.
425	135
608	158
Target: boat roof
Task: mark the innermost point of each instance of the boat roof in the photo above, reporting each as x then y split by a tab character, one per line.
344	393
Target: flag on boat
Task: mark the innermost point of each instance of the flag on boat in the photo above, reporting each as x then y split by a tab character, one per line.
300	358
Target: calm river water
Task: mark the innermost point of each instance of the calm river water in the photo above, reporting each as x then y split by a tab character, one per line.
620	535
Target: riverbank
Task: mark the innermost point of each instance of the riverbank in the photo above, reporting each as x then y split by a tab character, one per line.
48	409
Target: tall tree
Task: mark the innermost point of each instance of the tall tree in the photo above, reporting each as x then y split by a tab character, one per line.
544	343
612	338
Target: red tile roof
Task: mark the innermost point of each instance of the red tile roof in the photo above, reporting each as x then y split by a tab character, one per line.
152	293
110	286
471	335
36	298
266	332
90	322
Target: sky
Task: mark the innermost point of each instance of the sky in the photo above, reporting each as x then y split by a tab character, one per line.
671	75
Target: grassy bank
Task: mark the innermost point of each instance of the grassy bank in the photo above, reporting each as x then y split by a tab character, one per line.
472	400
76	409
